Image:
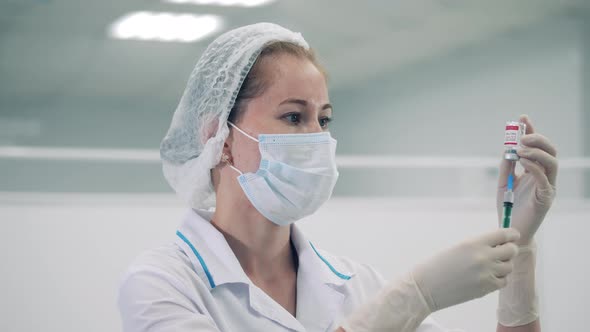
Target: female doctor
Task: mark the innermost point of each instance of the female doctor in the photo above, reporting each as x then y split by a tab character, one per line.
249	150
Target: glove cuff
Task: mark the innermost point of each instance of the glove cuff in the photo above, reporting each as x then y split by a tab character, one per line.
518	301
399	306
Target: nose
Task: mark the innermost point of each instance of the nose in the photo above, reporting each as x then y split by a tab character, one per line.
313	126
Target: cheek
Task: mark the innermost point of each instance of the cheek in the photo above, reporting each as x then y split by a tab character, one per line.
246	156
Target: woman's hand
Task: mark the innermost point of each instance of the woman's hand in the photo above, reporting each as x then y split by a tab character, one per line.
534	190
466	271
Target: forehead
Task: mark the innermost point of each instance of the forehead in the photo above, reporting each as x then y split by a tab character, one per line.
290	76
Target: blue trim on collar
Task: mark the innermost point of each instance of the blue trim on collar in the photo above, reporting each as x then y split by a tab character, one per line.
340	275
203	265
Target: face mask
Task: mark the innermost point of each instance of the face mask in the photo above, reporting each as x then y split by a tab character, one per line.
297	174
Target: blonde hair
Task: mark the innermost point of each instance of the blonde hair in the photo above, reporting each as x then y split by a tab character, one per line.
256	82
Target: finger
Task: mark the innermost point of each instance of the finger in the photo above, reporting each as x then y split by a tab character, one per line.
501	282
500	236
545	160
502	269
505	252
538	173
529	125
539	141
506	168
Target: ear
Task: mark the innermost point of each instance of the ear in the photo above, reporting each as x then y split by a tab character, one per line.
226	156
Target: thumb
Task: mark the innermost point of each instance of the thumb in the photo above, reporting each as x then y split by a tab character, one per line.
500	236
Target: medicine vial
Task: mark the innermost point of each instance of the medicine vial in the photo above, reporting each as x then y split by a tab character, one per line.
512	135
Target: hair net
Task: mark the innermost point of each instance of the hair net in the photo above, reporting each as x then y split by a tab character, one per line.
194	142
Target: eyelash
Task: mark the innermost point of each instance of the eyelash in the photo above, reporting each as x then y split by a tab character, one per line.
326	120
289	117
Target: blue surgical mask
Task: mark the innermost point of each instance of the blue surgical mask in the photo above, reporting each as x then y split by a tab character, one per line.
297	174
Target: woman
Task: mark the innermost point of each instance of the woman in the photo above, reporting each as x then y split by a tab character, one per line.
250	151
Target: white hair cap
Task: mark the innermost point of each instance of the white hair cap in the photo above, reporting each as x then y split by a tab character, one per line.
194	142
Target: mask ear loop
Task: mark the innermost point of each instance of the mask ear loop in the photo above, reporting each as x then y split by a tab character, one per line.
241	131
225	158
235	169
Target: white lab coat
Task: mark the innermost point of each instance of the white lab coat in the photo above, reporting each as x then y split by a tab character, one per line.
197	284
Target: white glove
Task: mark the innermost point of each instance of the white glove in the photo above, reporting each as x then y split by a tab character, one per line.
518	302
535	189
461	273
534	192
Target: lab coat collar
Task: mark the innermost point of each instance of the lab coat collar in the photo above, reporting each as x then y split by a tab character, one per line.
210	252
320	284
316	265
320	279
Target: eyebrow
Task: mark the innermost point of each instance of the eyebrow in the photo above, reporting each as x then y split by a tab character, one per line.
303	103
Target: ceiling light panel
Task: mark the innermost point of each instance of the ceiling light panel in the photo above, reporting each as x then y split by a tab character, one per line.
226	3
165	27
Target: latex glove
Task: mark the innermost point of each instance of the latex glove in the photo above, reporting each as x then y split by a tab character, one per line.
518	302
461	273
534	190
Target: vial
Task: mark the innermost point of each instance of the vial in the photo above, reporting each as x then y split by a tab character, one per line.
512	135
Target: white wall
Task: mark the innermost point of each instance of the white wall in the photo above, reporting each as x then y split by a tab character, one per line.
62	255
457	105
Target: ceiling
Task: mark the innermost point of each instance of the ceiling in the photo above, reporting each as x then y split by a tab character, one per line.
52	50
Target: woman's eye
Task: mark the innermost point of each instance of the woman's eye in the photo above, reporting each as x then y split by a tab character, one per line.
324	122
293	117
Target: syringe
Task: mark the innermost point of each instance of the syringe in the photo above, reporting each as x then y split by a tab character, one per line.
508	202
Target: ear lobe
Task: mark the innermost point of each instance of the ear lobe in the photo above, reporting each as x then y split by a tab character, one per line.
226	152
